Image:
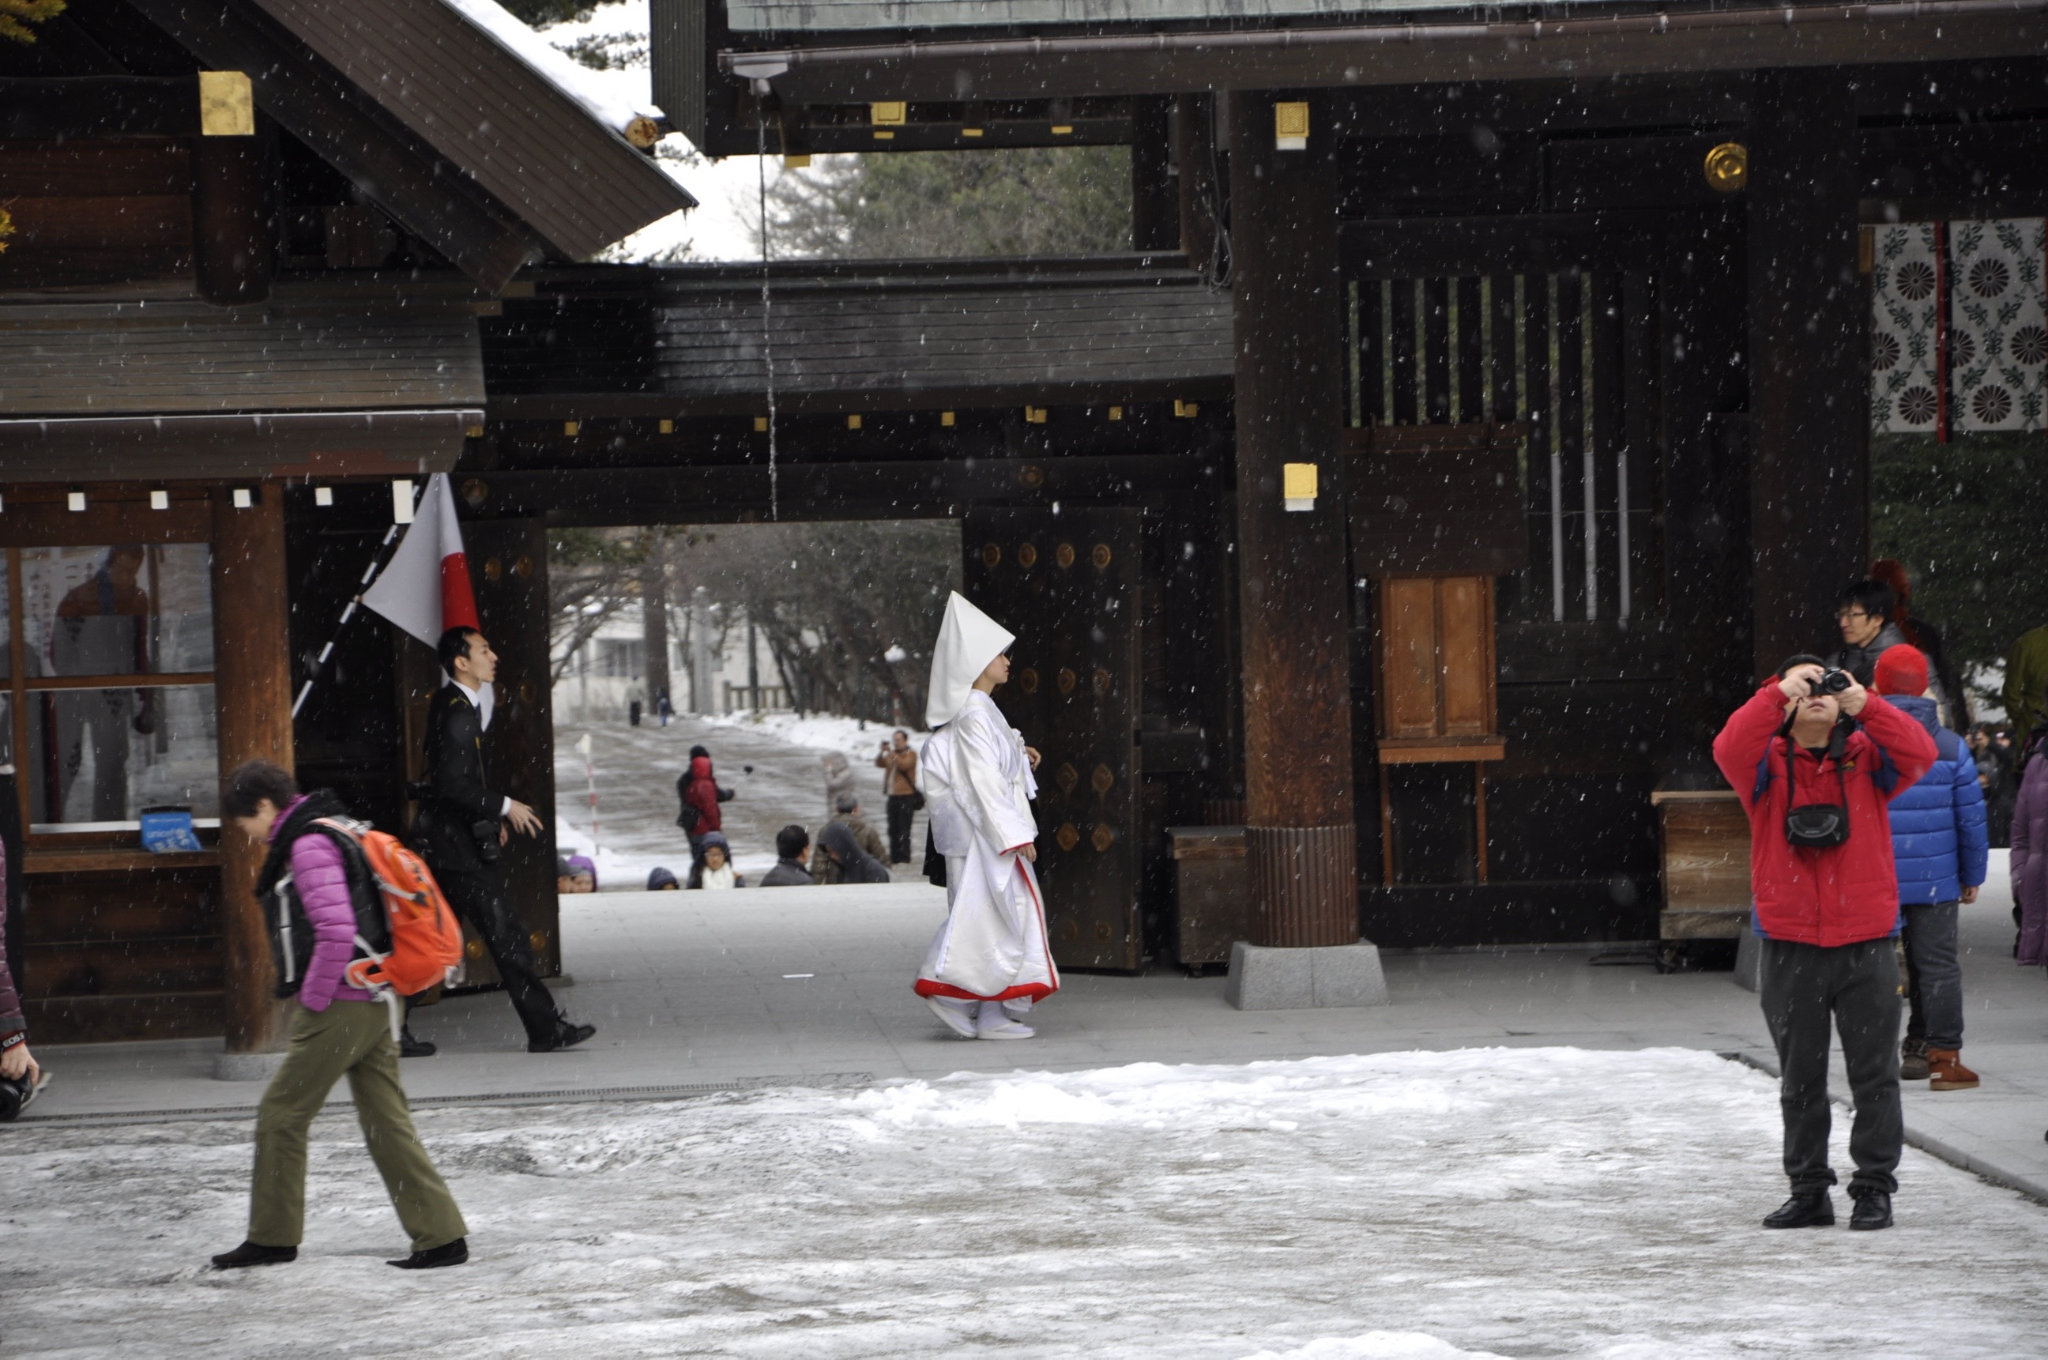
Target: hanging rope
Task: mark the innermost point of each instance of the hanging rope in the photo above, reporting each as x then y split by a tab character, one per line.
767	336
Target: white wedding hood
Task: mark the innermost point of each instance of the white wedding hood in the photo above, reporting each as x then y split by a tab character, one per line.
968	641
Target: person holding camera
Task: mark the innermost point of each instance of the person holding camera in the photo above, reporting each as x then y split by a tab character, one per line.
462	826
898	762
1816	760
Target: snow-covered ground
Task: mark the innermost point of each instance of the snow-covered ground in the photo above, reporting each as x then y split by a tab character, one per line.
635	772
1534	1202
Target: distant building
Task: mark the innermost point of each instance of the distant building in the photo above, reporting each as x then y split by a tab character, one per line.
609	669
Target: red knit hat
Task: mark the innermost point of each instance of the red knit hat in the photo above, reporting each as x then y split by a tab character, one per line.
1902	670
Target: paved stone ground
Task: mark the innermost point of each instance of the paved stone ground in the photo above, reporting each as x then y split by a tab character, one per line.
813	985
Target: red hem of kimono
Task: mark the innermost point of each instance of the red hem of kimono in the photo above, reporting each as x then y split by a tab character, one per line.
1036	991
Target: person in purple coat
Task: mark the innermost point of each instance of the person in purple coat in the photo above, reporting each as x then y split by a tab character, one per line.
318	898
2030	850
16	1062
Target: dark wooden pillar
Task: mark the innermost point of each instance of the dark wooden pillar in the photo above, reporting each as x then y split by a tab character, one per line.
654	619
1155	198
234	249
1706	485
1808	361
1291	565
253	700
1202	168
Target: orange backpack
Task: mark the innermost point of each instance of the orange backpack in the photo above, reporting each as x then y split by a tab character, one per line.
426	942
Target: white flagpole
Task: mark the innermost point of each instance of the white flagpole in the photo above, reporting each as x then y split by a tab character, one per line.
369	575
590	781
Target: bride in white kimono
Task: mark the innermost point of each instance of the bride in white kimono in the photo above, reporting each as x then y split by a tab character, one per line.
990	961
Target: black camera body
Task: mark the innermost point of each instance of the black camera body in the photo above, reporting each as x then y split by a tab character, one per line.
15	1092
1833	680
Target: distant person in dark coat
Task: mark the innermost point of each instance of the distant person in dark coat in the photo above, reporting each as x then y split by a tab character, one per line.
789	870
1863	611
848	815
661	880
851	864
1943	680
462	826
714	869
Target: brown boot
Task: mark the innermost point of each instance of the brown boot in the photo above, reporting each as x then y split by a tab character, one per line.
1946	1071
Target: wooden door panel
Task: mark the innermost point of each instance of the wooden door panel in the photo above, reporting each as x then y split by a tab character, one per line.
1411	663
1067	586
1464	657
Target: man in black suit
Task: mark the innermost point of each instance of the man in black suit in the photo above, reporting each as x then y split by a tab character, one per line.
462	824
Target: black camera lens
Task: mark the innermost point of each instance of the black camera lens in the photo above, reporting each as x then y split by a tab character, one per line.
1830	681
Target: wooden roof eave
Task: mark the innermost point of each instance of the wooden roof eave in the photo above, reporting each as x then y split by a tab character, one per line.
339	122
996	64
576	182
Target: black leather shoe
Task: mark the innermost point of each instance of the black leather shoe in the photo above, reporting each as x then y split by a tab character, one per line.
254	1254
409	1047
449	1254
566	1035
1873	1211
1815	1210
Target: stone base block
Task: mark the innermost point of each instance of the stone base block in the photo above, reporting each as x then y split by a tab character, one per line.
1267	979
1749	958
246	1066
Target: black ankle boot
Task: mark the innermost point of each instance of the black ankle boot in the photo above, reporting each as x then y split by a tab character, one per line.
1814	1209
409	1047
254	1254
450	1254
566	1035
1873	1210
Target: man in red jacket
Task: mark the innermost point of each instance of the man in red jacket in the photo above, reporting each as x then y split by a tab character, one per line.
1826	911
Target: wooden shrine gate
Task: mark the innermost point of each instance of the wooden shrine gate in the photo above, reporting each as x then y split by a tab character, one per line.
1066	583
1505	463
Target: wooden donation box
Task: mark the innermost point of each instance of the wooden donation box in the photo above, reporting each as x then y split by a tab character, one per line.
1435	514
1704	838
1212	893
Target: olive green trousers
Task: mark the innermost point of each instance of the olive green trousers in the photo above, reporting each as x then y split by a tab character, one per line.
351	1039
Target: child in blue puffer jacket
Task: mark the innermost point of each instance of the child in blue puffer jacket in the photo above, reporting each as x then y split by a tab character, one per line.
1940	846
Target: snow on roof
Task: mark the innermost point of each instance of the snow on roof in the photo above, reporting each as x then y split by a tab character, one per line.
639	123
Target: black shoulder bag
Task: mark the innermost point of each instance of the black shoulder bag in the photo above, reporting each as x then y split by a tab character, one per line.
1817	826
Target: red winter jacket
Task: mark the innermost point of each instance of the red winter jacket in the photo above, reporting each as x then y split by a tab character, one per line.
1824	897
703	796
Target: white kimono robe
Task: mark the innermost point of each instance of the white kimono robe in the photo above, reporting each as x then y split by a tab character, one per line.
978	788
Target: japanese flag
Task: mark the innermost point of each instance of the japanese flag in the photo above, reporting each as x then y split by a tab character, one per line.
424	590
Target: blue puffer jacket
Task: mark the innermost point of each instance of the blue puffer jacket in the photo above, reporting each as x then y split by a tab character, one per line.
1938	836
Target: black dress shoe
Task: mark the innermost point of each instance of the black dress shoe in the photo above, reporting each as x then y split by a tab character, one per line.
1873	1211
409	1047
566	1035
449	1254
1814	1210
254	1254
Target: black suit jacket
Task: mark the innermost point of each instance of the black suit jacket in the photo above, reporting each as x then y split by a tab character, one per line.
461	795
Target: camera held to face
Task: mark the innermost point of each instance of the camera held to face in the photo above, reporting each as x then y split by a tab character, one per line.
1830	681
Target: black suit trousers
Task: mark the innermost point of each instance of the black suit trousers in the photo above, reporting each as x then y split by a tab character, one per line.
479	898
902	808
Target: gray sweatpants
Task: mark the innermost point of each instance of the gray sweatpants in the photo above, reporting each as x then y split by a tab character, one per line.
1934	975
1854	989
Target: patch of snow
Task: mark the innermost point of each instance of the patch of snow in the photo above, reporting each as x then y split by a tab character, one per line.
613	102
1399	1206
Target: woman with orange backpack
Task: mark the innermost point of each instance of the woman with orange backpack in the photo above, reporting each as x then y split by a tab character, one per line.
326	911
